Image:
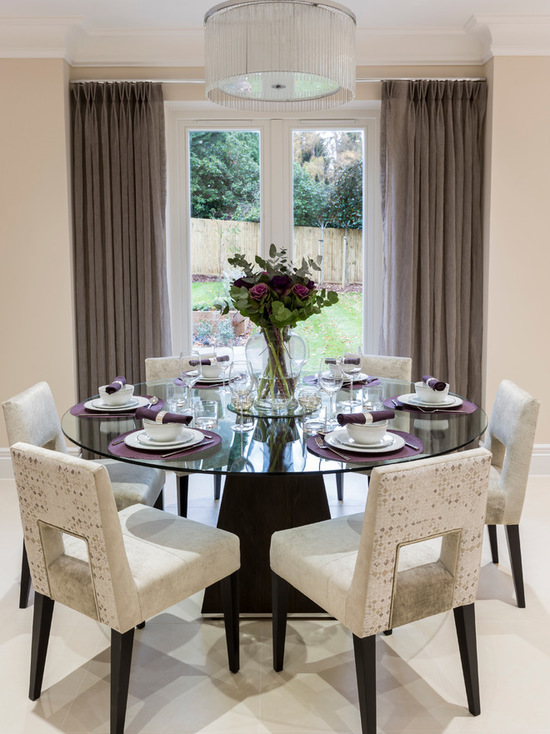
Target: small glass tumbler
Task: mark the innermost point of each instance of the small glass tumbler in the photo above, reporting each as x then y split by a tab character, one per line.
176	398
373	397
206	414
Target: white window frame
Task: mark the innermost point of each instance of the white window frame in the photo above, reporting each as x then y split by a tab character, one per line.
275	196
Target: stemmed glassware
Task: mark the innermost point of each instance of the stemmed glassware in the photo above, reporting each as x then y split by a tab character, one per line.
190	373
330	379
351	365
224	356
242	393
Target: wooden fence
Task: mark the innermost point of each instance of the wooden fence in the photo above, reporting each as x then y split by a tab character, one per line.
214	240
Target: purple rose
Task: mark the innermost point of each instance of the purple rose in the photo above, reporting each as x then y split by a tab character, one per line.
240	282
311	285
259	291
301	291
280	283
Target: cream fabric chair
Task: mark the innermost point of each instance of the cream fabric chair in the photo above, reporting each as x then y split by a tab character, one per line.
31	416
166	368
117	568
378	365
510	438
350	566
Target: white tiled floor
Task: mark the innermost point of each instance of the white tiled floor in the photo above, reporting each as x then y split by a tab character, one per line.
180	682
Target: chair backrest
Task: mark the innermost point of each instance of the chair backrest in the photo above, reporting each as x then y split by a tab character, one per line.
394	368
65	503
31	417
443	497
163	368
510	438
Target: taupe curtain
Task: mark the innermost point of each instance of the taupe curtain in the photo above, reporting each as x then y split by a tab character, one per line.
119	200
431	177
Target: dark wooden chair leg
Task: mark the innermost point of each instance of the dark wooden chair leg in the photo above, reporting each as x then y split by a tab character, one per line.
121	661
140	626
465	623
25	587
365	668
159	504
514	548
217	486
183	491
230	600
279	595
340	487
493	541
41	625
388	632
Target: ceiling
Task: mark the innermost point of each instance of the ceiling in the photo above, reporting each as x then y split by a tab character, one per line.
169	32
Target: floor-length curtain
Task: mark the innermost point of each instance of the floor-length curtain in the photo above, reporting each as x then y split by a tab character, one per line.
119	202
431	177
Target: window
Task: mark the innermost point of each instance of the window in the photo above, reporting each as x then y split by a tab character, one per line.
308	185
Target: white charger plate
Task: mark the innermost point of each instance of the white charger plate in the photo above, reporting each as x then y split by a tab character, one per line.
140	440
98	404
336	437
212	379
359	377
451	401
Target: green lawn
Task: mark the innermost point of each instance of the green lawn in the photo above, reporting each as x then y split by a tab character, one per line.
336	330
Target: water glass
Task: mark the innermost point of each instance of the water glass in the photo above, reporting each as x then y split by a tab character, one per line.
373	397
176	398
330	380
206	414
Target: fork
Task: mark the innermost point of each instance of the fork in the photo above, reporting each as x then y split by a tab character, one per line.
322	445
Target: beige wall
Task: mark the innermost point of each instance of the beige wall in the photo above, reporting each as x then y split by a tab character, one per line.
518	297
35	294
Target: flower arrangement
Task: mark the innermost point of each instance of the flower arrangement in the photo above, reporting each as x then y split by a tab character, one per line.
276	297
279	294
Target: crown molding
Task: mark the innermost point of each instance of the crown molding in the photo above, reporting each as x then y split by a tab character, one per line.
70	38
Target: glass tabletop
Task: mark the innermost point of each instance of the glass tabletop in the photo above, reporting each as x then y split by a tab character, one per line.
275	446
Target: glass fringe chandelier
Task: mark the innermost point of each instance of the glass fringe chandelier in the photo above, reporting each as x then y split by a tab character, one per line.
281	55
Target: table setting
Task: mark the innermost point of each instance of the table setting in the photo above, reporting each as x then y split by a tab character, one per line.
116	400
431	396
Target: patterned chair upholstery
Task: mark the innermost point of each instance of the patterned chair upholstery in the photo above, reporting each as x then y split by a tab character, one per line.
117	568
166	368
31	417
350	566
510	438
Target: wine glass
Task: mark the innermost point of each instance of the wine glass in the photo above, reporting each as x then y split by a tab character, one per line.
351	365
330	380
190	373
242	393
224	357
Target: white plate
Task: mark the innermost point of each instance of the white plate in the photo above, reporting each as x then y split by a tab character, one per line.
99	405
335	439
356	378
135	441
185	437
211	379
451	401
345	440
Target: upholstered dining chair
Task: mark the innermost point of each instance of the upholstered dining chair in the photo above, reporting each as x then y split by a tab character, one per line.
510	438
379	365
351	566
167	368
117	568
31	416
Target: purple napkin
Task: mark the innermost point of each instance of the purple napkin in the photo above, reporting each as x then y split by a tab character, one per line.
330	360
115	385
434	383
213	360
352	360
163	416
365	418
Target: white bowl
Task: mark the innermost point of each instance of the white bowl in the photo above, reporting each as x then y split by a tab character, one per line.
163	432
120	397
428	395
367	433
211	370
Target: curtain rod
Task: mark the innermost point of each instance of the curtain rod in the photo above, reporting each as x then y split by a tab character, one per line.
358	81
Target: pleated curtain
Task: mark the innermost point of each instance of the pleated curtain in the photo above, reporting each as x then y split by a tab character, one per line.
119	204
431	179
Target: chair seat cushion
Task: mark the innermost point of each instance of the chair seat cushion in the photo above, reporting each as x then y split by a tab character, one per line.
182	557
496	499
133	484
319	559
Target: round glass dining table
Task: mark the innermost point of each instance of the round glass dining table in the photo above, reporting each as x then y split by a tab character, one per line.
273	473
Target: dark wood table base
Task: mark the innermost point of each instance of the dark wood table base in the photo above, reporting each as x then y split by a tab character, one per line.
254	506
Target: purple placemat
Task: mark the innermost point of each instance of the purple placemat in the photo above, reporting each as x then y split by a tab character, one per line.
466	407
80	411
312	380
125	452
208	385
364	458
